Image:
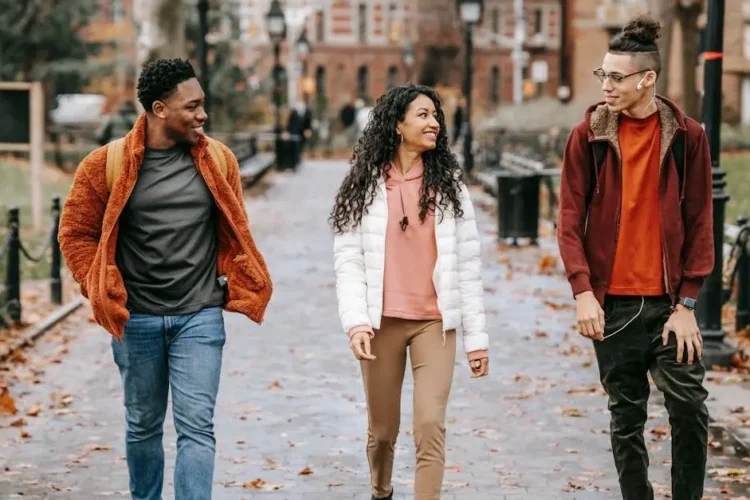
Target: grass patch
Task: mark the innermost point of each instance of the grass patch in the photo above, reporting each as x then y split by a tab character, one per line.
15	190
737	166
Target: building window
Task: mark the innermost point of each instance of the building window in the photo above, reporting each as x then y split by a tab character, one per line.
320	81
362	81
538	21
392	76
363	23
393	24
320	26
496	20
495	85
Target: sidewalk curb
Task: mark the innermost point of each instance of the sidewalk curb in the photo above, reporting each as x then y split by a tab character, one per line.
43	326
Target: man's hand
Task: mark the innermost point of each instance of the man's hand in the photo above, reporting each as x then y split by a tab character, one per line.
682	323
359	343
479	367
589	316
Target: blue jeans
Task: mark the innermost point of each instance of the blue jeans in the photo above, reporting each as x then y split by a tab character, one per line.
184	353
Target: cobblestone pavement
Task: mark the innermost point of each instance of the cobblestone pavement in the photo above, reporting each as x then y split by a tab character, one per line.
291	417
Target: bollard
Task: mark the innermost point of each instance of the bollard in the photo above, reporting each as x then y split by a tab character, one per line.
55	279
13	272
742	320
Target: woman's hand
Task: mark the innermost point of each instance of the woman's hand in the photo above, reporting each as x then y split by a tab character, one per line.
479	367
359	343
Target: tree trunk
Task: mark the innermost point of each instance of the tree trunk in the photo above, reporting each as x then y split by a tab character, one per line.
161	29
666	11
688	15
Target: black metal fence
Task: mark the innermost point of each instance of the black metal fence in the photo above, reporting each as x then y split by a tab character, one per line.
737	276
13	250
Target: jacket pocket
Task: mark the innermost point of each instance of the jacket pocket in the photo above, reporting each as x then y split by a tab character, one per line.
245	274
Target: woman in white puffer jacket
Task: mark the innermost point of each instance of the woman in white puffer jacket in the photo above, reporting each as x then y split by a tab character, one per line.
406	254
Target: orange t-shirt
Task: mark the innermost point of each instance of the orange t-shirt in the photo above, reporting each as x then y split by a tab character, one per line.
638	267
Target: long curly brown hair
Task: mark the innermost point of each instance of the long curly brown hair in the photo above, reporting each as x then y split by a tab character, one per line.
377	148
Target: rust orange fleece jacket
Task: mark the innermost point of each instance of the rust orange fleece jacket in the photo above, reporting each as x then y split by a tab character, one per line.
89	228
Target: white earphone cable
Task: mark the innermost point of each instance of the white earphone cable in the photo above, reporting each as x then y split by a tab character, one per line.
643	302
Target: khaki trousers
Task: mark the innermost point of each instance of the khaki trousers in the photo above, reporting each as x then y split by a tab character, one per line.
432	367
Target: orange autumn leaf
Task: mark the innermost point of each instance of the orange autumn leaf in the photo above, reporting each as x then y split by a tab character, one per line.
305	472
7	405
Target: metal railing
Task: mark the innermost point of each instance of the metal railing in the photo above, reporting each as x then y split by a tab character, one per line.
13	250
737	270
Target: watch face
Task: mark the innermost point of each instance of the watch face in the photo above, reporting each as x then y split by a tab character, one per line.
689	303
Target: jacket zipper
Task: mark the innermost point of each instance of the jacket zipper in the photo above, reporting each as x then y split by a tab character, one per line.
665	263
103	265
617	220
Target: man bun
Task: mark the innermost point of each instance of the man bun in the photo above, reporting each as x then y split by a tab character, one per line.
643	30
639	35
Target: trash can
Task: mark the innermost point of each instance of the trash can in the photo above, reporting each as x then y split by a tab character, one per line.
518	206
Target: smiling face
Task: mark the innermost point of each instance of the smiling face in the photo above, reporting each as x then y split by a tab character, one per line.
420	128
620	86
182	112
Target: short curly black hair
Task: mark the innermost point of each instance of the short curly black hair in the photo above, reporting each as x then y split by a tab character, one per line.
160	78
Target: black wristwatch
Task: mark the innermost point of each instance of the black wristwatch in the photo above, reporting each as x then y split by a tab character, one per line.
687	303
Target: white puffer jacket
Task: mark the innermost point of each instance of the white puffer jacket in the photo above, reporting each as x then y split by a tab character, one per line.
359	261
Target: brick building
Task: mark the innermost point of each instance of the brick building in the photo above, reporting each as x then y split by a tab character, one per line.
358	46
594	21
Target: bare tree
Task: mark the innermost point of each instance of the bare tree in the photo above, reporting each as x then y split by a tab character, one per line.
666	12
688	12
161	32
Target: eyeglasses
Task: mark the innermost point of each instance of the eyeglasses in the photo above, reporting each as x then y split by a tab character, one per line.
617	78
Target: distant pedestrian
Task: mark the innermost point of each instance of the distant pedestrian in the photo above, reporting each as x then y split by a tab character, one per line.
159	258
408	274
458	121
636	236
348	118
299	124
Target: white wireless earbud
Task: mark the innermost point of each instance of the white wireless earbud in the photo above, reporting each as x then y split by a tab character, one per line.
640	84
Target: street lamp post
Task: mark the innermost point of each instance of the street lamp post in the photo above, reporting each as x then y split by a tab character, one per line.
303	50
471	14
408	58
711	300
203	53
276	32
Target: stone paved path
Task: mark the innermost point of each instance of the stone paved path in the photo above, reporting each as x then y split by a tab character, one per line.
291	398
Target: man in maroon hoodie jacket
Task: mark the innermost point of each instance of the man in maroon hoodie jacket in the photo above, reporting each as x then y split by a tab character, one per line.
635	235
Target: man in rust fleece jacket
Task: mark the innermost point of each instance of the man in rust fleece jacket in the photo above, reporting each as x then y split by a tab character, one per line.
636	236
160	250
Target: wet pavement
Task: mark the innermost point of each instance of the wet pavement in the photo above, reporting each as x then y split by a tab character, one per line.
291	420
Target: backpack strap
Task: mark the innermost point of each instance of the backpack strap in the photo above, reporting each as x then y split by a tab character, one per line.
115	153
214	148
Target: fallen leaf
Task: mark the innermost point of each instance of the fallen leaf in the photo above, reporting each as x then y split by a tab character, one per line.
97	447
541	335
275	386
7	405
571	412
34	411
260	484
305	472
18	423
25	435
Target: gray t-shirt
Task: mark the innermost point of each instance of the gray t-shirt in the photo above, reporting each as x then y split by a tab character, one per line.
167	242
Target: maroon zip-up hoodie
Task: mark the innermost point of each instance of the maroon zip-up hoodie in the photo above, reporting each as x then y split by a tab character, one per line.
587	235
